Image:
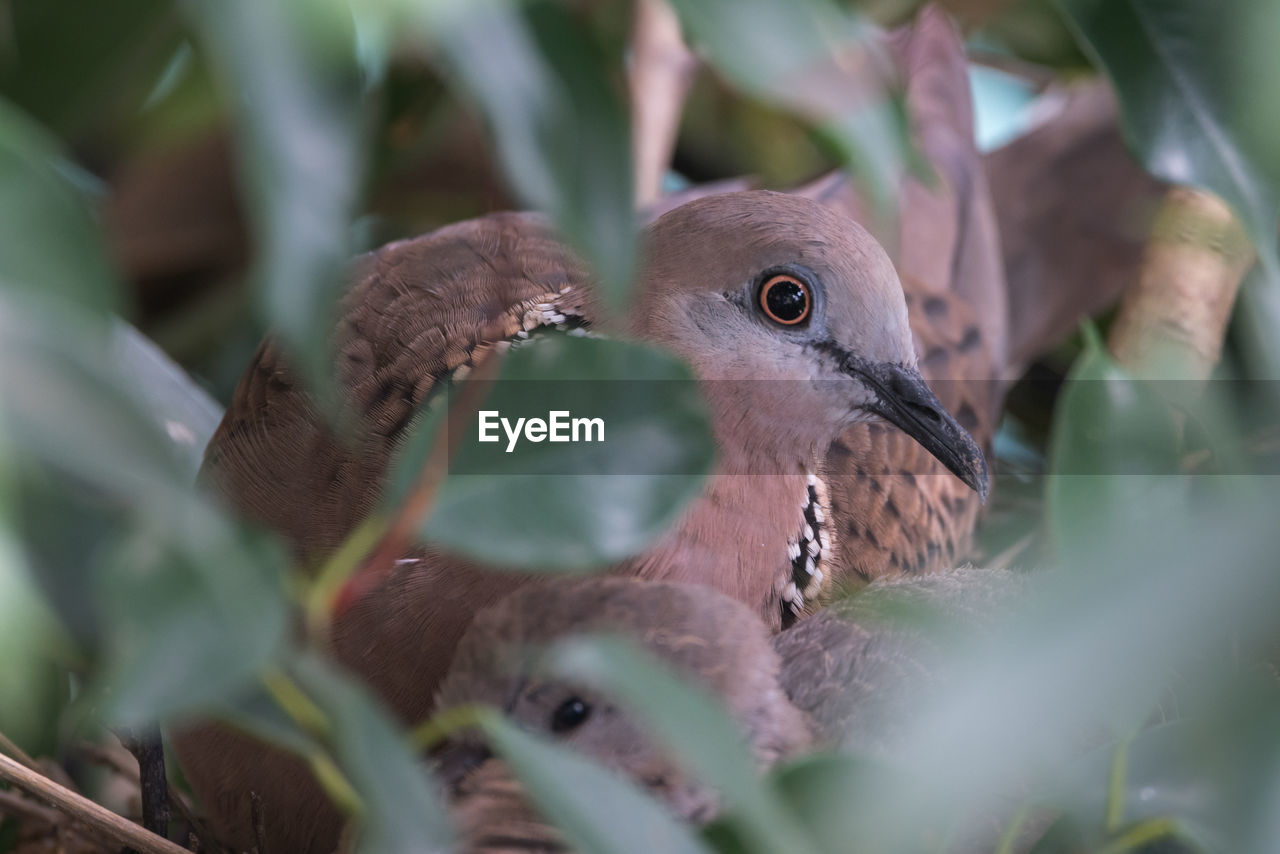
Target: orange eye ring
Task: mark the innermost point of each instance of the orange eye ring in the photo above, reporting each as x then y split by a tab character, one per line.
786	300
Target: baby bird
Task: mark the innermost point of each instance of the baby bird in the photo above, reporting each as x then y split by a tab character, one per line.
838	679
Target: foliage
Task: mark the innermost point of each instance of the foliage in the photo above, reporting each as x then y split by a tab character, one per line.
128	596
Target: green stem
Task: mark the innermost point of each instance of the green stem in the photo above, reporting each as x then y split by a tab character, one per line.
1116	786
336	785
440	726
294	702
338	568
1140	834
303	711
1011	832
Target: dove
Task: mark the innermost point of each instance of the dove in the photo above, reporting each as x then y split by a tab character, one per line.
789	313
844	678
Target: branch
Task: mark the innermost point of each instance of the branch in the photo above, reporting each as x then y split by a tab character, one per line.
147	748
662	70
98	754
1172	322
97	818
11	749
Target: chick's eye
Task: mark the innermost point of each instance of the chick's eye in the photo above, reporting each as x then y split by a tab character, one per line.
785	299
569	715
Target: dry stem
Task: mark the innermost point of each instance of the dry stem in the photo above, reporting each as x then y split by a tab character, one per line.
94	817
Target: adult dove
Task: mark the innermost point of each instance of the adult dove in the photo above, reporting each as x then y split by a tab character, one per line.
789	311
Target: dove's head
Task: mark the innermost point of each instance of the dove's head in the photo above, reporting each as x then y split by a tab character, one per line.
793	316
700	634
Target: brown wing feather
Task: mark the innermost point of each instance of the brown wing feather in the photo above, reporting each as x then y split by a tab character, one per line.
417	309
895	508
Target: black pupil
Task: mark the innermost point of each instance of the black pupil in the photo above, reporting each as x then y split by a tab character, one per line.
569	715
786	300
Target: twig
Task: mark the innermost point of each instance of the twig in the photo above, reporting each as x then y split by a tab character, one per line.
96	753
153	783
662	70
97	818
8	747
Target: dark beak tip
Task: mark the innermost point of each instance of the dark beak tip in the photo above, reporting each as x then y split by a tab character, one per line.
905	400
981	483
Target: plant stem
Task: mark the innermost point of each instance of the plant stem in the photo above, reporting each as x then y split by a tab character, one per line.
100	819
1140	834
1115	786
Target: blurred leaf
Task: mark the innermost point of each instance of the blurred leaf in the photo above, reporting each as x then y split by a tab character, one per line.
51	243
1033	30
187	413
188	607
694	728
402	804
1192	84
598	811
799	56
63	403
398	807
1170	62
822	790
256	712
559	126
76	65
290	76
1212	777
1113	458
33	683
193	611
576	505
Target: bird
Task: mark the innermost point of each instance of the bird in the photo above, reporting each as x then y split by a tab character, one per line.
896	508
844	679
831	498
744	286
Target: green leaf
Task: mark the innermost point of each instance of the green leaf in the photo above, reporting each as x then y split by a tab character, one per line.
598	811
77	77
1114	461
183	605
787	54
33	682
63	402
576	505
694	728
291	78
1210	779
402	813
1171	62
186	412
842	800
193	610
52	245
559	126
397	804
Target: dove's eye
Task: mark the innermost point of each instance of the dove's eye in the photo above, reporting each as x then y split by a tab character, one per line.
785	299
570	715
